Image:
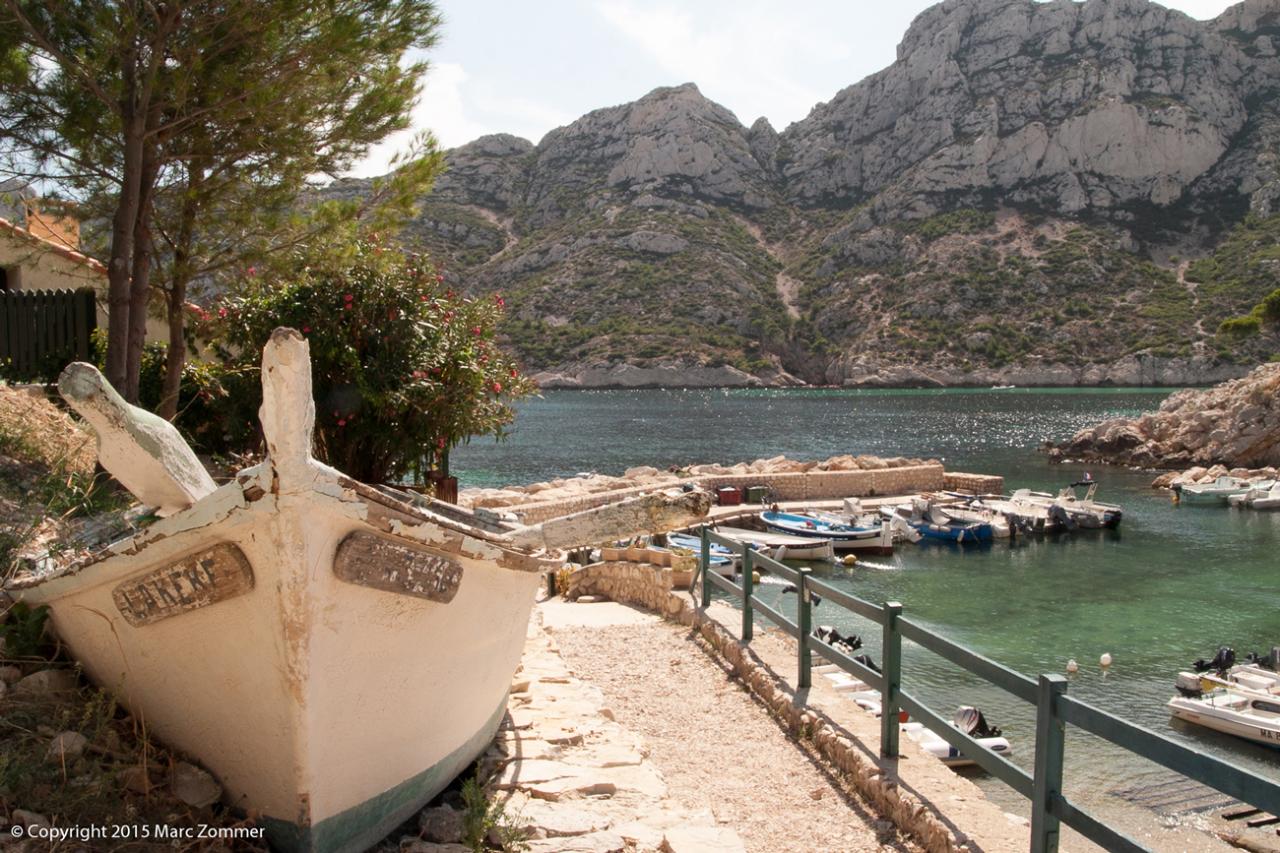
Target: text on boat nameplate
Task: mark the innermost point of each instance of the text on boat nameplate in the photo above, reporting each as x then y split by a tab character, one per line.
377	562
206	577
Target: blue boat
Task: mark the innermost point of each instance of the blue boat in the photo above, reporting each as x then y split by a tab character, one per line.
933	524
844	537
723	560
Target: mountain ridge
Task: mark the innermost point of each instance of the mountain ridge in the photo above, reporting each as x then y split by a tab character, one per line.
1006	199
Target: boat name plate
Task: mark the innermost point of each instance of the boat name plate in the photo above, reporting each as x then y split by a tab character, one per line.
377	562
198	580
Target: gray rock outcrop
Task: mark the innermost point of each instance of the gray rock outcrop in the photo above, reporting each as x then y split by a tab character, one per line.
1235	424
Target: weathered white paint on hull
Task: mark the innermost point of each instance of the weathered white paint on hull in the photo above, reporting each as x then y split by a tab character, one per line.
306	696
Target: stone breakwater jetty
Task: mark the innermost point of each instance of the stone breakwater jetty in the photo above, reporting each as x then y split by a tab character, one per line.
786	479
1235	425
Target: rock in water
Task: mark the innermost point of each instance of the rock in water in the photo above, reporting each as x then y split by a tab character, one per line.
143	451
1236	423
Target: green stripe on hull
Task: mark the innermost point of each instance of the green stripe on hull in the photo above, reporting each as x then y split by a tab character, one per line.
360	827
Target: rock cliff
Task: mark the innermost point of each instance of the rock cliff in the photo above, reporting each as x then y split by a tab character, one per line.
1016	198
1235	424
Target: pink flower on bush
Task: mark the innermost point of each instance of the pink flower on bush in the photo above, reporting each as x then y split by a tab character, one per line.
222	313
497	387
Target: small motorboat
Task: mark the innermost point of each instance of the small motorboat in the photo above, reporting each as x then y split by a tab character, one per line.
1219	492
1086	512
723	560
783	546
1232	709
932	523
968	514
968	720
842	535
1264	495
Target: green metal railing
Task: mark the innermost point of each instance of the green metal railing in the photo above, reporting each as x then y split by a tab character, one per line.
1050	808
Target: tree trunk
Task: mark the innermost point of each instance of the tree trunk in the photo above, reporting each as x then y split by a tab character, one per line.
183	249
120	266
140	286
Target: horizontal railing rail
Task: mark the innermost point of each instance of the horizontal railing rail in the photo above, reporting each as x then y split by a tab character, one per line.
1050	808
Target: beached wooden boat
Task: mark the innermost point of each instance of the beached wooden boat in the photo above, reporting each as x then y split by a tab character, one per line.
875	537
783	546
334	653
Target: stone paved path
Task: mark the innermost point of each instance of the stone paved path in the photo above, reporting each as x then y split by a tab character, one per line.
716	747
583	782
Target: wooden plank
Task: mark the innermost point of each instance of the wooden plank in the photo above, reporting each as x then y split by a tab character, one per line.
1237	813
1001	676
198	580
1264	820
390	565
84	321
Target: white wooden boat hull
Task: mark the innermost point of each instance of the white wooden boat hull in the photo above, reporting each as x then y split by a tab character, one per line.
332	709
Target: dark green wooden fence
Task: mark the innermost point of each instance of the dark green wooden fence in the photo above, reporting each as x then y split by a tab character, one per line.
41	331
1054	708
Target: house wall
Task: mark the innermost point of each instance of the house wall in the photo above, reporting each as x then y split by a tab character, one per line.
32	264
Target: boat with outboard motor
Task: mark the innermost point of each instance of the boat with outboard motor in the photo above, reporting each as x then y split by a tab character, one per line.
1263	495
1219	492
931	522
876	536
969	720
1241	699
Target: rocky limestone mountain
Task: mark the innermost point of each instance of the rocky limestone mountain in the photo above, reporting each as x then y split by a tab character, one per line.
1042	192
1235	424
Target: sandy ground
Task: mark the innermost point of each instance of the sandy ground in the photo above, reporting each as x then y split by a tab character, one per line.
715	745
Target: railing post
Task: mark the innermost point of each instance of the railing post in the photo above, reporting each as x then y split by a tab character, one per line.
704	566
746	592
804	620
891	650
1047	784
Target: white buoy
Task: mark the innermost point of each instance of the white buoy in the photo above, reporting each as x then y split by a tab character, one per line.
1072	666
1105	660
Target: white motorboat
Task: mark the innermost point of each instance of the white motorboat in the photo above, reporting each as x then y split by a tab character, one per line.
1220	491
782	546
1234	710
1263	495
334	653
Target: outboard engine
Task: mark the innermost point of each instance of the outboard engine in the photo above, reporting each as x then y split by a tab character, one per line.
1062	517
1271	660
1222	661
833	637
970	721
866	661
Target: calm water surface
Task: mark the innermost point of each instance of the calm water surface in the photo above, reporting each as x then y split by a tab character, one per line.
1170	586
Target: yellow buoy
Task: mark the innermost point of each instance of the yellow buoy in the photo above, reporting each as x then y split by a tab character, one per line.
849	559
755	578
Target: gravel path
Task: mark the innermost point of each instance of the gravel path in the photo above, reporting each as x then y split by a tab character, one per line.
716	746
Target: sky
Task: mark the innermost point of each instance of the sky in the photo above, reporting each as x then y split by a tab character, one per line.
514	66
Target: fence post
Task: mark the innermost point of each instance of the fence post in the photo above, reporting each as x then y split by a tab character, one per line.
891	650
804	620
1047	784
704	566
746	592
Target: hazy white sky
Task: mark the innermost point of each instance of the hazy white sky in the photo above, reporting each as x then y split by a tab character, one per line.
514	66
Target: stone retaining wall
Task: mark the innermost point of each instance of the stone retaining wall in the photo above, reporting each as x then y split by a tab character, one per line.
789	486
978	484
651	587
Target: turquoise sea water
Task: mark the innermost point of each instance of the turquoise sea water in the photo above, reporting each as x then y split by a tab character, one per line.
1170	586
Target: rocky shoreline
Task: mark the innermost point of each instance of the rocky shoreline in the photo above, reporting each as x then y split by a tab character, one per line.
862	371
1232	425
